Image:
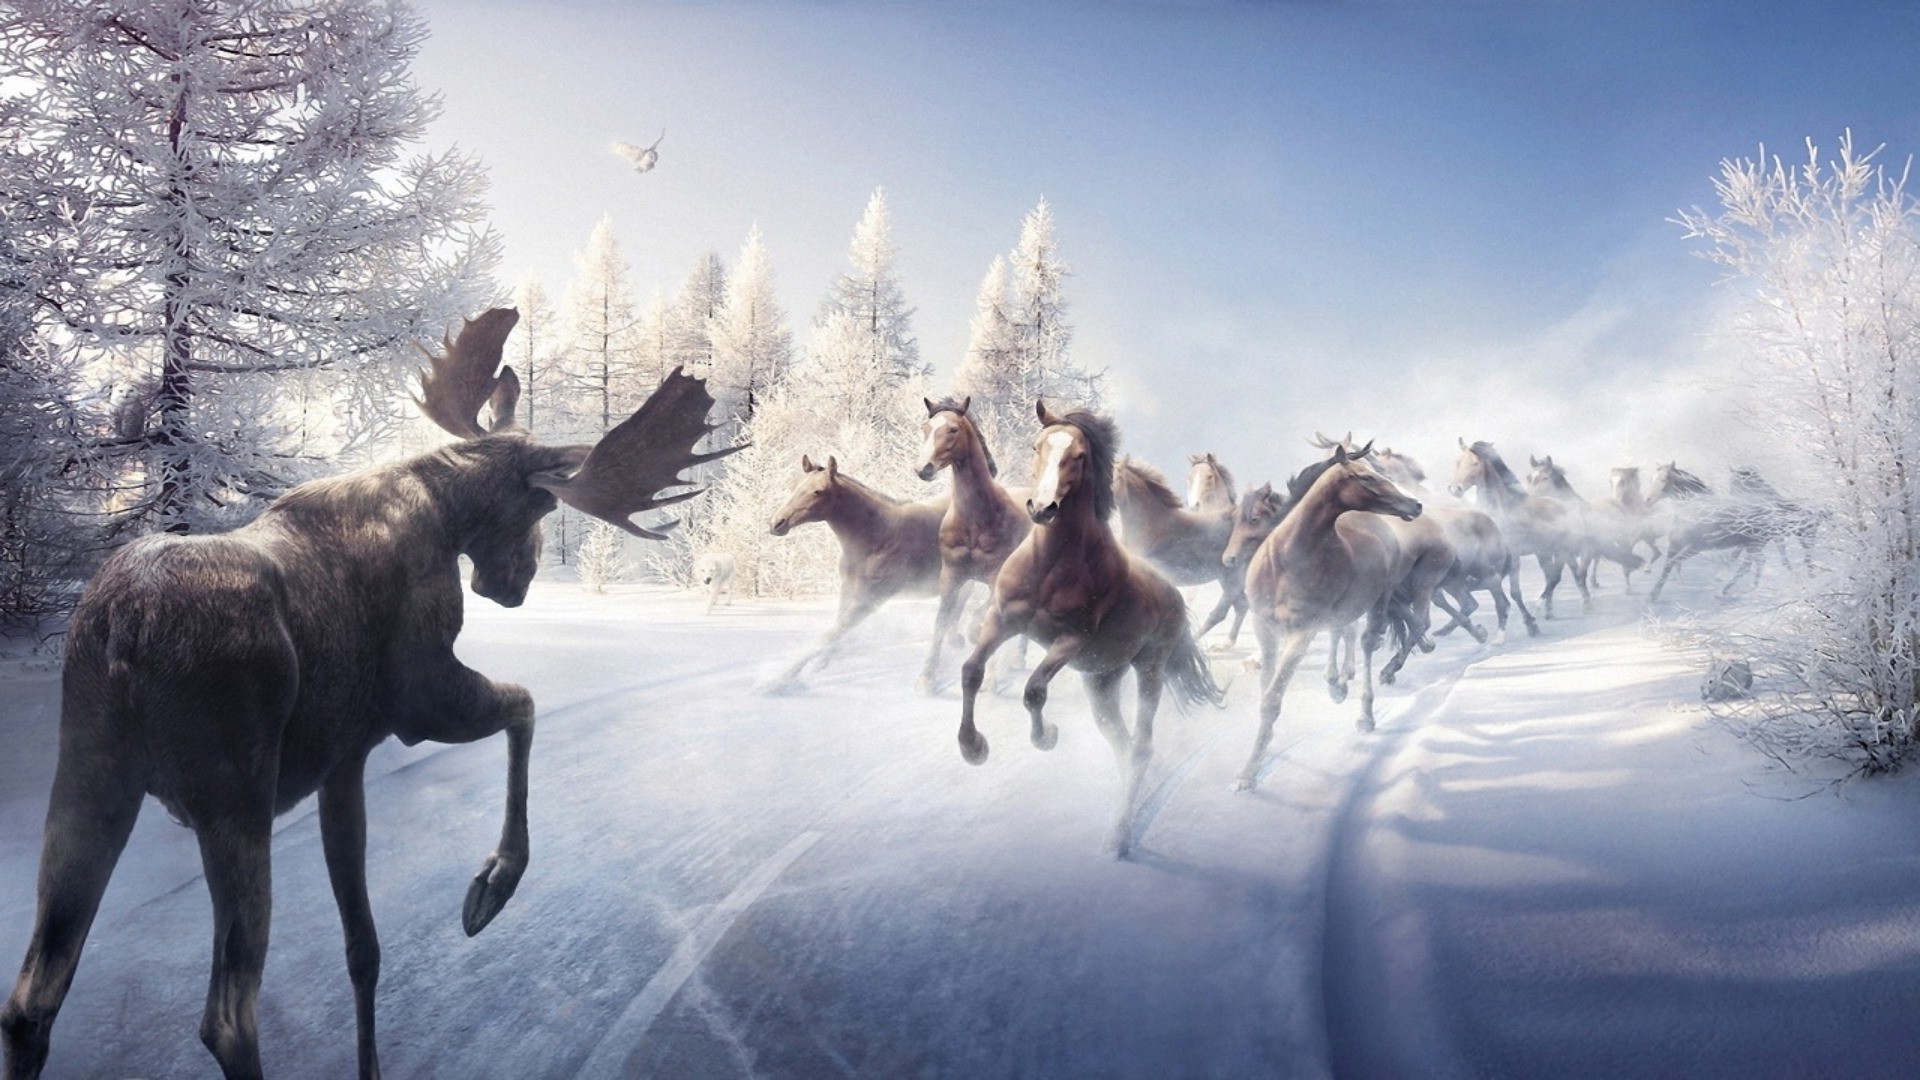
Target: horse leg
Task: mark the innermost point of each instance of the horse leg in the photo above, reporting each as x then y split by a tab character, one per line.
950	590
1149	677
1369	641
1059	654
1103	689
1239	616
1279	674
1456	599
1407	625
1676	554
1518	597
993	633
1580	582
1229	601
1337	679
97	791
343	835
1550	568
855	606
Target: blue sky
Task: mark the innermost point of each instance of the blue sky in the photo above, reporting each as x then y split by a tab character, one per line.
1416	220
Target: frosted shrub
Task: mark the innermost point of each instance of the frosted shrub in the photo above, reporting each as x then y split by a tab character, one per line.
1829	252
602	558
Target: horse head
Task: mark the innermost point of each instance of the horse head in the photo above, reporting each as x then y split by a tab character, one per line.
949	435
1356	487
1253	520
812	498
1074	456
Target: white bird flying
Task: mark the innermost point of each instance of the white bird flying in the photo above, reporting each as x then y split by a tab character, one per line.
642	157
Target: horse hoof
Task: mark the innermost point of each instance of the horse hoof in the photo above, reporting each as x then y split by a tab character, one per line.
1387	677
1243	783
1500	638
1047	737
974	750
1364	724
1479	633
490	890
1533	629
924	684
1426	643
1337	691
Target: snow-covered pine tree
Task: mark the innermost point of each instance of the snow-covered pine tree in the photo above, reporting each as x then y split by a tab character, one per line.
752	345
533	350
654	353
598	373
1020	350
689	329
602	558
869	292
228	193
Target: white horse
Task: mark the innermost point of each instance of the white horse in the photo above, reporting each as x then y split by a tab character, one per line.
714	572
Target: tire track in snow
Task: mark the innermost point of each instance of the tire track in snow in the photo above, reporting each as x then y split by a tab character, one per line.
613	1051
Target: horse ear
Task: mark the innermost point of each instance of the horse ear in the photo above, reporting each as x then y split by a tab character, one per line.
1340	454
833	468
807	465
1210	460
1363	451
930	407
1463	443
1040	409
1533	461
1195	459
964	402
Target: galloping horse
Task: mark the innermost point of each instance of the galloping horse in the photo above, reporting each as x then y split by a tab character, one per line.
1703	522
1323	568
1604	534
1184	545
1783	515
1529	524
1209	484
887	547
1427	560
983	523
1072	587
1483	559
1631	504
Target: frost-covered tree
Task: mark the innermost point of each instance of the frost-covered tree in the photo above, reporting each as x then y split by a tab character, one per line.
599	376
232	198
1828	253
870	294
689	327
533	350
653	344
602	558
1020	347
752	345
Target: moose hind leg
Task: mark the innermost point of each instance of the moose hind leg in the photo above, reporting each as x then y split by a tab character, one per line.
235	852
343	833
87	826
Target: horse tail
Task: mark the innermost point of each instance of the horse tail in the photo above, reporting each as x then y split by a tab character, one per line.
1190	676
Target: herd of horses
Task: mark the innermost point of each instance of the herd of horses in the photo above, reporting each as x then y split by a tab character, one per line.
231	676
1355	545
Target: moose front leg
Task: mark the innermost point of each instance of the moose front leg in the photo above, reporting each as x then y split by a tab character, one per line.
452	703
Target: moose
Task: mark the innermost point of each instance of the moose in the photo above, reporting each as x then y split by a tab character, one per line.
232	675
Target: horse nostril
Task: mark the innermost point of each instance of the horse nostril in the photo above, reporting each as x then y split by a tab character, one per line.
1029	506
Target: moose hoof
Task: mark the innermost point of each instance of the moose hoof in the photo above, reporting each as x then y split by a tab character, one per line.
974	749
1337	691
492	887
1047	736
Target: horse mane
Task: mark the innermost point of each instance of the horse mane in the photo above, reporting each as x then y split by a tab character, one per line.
959	408
1226	480
1746	480
1675	478
1149	481
1485	452
1103	443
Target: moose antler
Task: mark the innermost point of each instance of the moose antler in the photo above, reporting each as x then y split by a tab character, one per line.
642	456
462	378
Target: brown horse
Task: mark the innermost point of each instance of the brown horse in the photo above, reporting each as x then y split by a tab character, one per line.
1323	568
1604	534
1184	545
887	547
1530	525
1209	484
1074	589
983	522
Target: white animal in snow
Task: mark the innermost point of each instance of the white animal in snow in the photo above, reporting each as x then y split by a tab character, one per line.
714	571
643	157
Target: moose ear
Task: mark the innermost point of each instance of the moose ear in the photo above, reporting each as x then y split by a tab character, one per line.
807	465
833	468
931	409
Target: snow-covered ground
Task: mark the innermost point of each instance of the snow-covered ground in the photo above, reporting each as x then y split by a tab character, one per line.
1545	862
